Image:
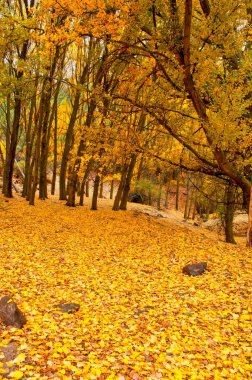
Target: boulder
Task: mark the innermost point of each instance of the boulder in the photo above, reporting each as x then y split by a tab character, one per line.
10	314
68	307
195	269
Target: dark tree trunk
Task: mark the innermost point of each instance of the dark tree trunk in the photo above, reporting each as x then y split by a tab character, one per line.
87	188
10	158
55	151
159	198
120	188
95	192
167	193
7	141
126	188
249	232
85	182
36	170
229	213
29	144
101	188
177	191
188	195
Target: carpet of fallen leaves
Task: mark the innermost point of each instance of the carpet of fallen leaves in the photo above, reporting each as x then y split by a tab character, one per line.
140	317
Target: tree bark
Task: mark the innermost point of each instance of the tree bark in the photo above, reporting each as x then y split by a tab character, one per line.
55	151
188	187
95	192
120	188
229	213
126	188
249	232
177	191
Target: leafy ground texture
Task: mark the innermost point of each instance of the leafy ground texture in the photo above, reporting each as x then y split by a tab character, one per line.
140	317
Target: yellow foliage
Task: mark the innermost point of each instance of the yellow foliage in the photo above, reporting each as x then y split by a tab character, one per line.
140	316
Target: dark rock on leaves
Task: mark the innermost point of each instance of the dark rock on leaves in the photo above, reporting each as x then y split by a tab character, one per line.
10	314
68	307
195	269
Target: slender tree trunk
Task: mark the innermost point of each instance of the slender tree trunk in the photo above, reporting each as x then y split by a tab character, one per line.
160	191
126	188
85	181
29	143
167	193
7	141
101	188
87	188
120	188
55	151
29	179
229	213
177	191
10	159
36	169
95	192
188	187
249	232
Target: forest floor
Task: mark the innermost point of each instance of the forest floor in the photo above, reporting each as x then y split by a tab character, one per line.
140	317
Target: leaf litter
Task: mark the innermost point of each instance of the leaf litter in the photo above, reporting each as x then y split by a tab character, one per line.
140	317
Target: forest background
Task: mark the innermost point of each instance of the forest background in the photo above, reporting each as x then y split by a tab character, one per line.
146	94
136	100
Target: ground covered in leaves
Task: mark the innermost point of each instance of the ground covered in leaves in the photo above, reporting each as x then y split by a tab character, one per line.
140	317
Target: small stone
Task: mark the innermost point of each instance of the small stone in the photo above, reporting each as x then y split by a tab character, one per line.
195	269
10	314
68	307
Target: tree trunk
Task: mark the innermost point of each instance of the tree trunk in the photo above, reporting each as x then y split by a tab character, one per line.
85	182
101	188
55	151
36	170
95	192
29	144
87	188
177	191
120	188
10	157
229	213
167	193
126	188
7	141
188	187
249	232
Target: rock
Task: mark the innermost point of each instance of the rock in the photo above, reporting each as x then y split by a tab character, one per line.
195	269
10	314
68	307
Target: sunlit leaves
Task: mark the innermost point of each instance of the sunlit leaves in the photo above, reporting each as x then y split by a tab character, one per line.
140	317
